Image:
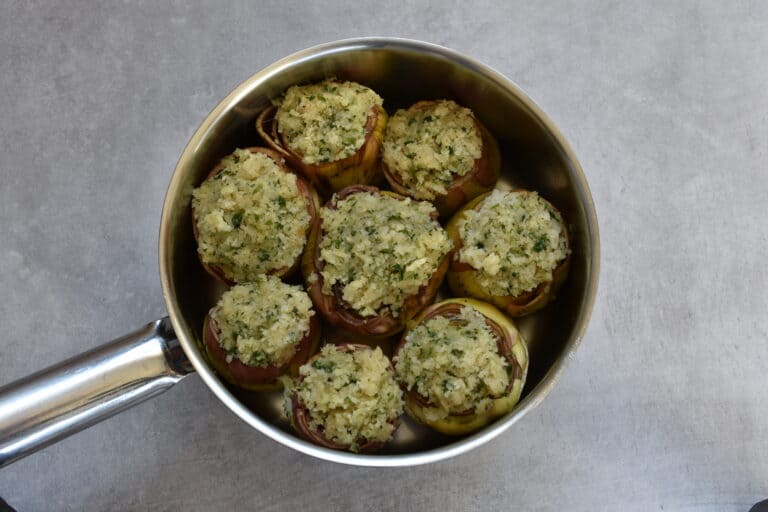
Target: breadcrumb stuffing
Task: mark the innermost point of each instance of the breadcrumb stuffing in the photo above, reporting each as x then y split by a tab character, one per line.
380	250
251	218
261	323
350	395
453	362
428	146
515	241
325	122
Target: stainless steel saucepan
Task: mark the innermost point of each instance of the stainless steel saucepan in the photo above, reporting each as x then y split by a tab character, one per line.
54	403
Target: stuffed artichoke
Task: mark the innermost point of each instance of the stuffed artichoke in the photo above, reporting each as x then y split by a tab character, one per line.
251	216
374	259
259	331
512	250
438	151
331	131
346	398
462	364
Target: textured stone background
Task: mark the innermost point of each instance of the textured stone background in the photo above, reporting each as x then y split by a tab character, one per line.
666	404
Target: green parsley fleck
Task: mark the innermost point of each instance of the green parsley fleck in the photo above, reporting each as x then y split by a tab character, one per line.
237	219
541	243
326	366
259	358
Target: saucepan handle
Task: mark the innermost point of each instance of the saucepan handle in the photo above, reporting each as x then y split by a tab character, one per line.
39	410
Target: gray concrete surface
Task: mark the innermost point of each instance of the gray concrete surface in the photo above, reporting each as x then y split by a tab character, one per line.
666	404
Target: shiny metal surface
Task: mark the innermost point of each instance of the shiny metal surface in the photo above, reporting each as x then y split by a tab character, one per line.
535	155
61	400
